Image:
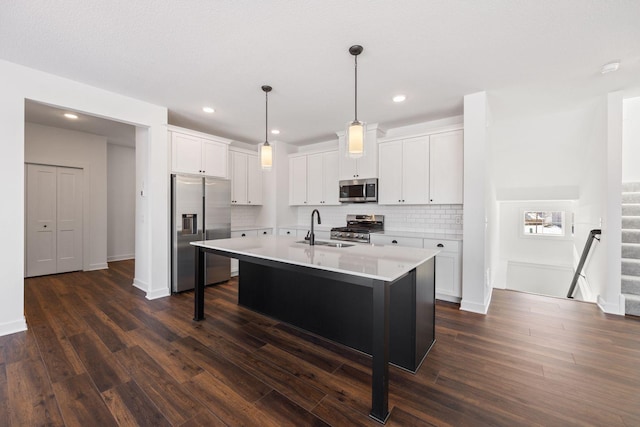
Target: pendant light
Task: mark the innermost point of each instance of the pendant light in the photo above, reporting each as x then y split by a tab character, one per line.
355	129
266	152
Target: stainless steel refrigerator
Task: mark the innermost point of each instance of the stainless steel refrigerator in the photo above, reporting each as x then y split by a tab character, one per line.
200	210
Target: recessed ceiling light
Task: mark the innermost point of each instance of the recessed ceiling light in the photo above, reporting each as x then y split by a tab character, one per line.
275	131
208	110
610	67
399	98
70	116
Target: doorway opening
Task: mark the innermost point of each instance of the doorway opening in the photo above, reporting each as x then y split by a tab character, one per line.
105	152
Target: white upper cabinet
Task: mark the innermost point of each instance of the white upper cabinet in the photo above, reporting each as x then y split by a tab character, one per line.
246	179
362	167
322	179
404	172
422	170
298	180
313	179
390	180
197	155
446	168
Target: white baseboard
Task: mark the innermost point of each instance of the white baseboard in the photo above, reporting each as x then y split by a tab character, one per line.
474	307
98	266
120	257
612	308
449	298
160	293
13	327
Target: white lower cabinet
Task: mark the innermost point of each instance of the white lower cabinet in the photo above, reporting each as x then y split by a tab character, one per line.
383	239
448	261
287	232
448	268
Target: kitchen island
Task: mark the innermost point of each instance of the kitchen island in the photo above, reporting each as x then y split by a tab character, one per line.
376	299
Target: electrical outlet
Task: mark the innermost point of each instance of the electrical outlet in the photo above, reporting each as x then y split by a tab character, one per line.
458	219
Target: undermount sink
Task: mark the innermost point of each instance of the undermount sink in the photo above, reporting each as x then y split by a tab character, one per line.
325	243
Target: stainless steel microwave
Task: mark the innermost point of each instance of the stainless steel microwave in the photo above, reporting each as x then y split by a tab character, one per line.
359	190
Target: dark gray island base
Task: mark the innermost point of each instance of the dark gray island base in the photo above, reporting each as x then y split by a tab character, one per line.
393	321
343	312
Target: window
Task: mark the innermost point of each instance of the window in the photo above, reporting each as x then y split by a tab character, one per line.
543	223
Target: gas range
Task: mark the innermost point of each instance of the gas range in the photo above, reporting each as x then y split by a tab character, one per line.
359	228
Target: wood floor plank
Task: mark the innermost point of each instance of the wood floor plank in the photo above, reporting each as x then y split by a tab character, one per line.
286	412
54	356
81	404
130	399
204	419
226	404
294	388
244	384
334	413
154	325
177	364
163	389
294	347
358	398
30	397
19	346
99	362
124	320
106	330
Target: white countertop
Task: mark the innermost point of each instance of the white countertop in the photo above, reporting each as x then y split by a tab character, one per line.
386	263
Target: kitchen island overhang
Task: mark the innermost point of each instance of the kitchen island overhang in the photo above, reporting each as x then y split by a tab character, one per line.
386	296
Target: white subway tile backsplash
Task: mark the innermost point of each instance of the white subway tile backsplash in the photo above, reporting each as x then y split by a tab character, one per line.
242	216
423	219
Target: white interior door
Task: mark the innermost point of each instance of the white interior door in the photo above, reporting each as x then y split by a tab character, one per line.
54	220
41	220
69	220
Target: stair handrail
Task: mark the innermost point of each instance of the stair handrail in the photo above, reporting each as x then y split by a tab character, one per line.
583	259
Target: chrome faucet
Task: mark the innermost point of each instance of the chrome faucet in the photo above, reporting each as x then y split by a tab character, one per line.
312	236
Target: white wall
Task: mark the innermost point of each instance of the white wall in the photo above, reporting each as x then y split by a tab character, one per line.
533	263
541	155
476	289
121	202
61	147
631	140
19	83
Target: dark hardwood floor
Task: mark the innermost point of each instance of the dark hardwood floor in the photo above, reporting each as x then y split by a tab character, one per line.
97	353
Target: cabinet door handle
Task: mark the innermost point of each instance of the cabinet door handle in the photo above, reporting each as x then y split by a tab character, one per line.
440	245
399	200
264	232
288	232
395	242
244	235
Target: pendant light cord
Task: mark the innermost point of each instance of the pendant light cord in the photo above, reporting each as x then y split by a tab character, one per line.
266	117
356	88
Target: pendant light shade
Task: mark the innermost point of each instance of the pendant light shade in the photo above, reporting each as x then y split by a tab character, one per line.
266	156
356	128
266	151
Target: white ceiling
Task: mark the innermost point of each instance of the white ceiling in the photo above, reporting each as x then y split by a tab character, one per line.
115	132
186	54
